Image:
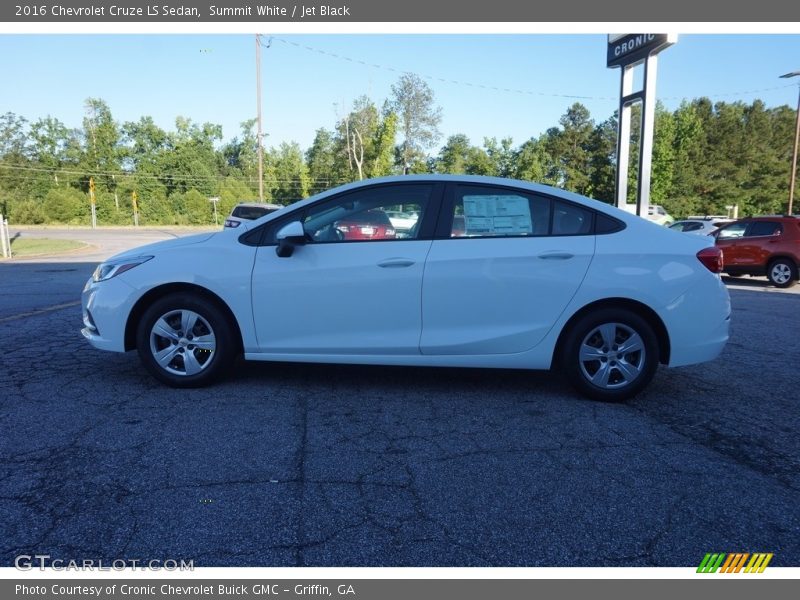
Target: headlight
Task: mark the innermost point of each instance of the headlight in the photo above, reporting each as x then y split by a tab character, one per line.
112	268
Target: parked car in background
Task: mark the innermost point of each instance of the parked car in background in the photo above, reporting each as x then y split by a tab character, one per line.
699	225
767	245
367	225
658	215
655	213
529	277
249	211
402	221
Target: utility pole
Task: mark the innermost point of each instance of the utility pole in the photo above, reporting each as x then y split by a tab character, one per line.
92	200
134	202
793	176
258	102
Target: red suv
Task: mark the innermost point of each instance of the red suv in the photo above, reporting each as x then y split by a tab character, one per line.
762	246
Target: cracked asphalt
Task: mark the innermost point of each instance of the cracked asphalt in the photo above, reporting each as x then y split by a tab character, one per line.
318	465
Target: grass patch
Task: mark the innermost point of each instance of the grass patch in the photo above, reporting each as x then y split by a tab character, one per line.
32	246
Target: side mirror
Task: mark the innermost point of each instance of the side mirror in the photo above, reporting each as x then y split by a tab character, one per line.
290	235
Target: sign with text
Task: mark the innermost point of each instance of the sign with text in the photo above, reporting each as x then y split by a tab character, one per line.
635	47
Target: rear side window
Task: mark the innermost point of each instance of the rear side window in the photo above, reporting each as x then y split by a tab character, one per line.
497	212
758	228
606	224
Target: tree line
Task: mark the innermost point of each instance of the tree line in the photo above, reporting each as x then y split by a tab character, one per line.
706	156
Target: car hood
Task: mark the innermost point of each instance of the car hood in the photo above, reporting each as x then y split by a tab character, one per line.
158	247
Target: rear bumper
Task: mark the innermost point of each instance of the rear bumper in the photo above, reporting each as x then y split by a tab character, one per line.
698	322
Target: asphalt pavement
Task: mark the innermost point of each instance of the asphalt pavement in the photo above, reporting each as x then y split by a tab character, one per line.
318	465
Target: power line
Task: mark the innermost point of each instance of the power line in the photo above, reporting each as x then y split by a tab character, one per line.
151	176
498	88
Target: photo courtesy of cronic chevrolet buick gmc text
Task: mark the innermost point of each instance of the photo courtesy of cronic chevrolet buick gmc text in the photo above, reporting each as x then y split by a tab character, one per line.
494	273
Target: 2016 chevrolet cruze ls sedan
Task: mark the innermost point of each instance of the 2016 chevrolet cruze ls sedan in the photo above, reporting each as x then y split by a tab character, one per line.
495	273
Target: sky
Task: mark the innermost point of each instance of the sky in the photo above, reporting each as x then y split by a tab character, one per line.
492	85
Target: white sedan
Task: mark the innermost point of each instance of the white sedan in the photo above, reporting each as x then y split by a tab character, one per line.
497	274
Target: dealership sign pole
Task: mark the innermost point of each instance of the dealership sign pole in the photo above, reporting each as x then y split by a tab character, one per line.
627	51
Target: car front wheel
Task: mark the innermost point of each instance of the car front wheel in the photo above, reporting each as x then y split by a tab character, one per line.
185	340
782	273
610	355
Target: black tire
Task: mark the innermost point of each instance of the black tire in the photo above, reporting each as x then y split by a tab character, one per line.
212	352
782	273
626	374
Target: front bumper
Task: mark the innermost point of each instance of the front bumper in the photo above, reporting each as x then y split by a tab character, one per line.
106	306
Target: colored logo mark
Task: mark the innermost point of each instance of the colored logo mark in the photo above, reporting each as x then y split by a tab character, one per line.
735	562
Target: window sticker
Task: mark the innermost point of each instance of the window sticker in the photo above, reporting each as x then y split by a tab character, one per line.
497	215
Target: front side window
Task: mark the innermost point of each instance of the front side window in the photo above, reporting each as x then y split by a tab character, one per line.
374	214
736	230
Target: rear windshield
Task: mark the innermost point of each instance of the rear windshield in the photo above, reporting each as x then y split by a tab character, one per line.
251	212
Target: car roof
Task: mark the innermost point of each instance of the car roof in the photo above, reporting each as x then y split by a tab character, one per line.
258	205
609	209
476	179
782	218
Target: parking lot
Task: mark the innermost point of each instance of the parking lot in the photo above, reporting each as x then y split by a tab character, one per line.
318	465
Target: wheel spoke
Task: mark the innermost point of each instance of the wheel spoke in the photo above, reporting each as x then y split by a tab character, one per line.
608	331
600	378
190	363
628	370
188	321
164	330
205	342
633	344
589	353
164	357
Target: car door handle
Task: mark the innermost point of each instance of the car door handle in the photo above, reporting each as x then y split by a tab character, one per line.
396	263
556	255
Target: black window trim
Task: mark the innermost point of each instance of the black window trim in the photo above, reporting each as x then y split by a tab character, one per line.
427	227
444	226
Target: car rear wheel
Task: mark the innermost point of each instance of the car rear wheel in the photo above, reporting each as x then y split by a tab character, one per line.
782	273
185	341
610	355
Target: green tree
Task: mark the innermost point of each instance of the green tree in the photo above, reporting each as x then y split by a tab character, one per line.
502	156
323	172
288	174
50	139
102	152
570	148
454	155
603	151
663	164
419	117
382	159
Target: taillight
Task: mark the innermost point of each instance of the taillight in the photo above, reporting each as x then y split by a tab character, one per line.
711	259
